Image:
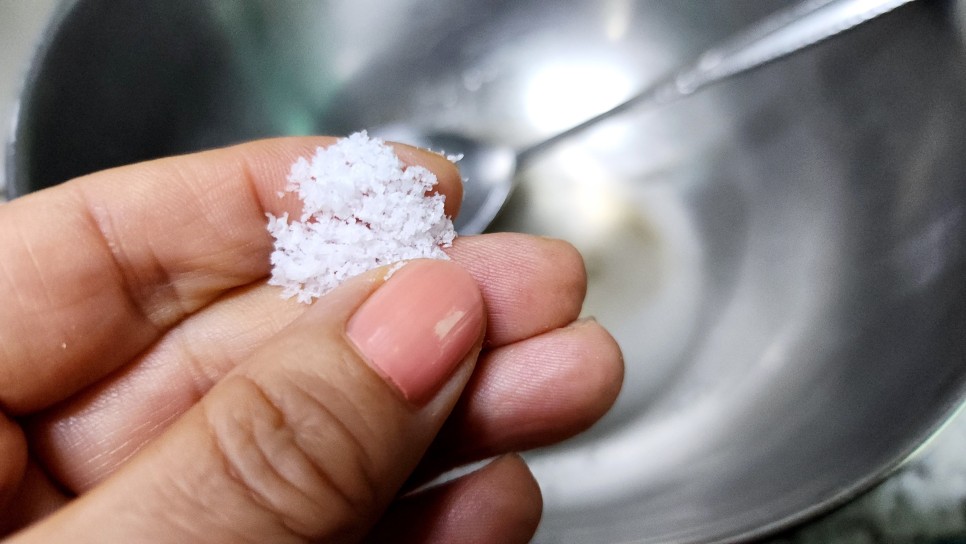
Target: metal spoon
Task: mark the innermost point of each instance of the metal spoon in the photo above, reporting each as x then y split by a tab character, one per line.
490	169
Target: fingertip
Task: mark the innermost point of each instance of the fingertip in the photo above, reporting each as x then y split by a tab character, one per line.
568	257
577	381
514	497
525	504
501	502
531	284
602	368
572	377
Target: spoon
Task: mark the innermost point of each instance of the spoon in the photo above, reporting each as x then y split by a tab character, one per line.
490	169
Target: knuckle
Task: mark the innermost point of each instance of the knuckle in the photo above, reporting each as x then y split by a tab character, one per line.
293	456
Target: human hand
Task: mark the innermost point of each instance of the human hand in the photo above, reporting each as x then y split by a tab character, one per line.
153	387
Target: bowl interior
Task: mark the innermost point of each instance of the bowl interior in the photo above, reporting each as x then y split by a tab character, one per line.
780	257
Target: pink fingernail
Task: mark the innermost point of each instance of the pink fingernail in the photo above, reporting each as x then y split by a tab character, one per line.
417	327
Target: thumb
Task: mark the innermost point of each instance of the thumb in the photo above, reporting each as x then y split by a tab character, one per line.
313	436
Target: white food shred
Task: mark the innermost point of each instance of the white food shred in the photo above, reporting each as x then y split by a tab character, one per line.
362	208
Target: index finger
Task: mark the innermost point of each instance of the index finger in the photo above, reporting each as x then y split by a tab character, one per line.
95	270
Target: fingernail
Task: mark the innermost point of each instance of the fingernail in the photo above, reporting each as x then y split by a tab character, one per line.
580	322
417	327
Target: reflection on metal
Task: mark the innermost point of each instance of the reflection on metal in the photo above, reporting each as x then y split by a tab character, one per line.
561	95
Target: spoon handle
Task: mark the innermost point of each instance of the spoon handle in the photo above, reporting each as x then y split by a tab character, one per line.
777	36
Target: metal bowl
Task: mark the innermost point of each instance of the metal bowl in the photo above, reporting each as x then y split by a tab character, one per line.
782	258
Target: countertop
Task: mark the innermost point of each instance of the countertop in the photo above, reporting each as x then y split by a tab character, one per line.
924	502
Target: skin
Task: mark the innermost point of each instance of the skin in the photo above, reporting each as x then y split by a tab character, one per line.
153	387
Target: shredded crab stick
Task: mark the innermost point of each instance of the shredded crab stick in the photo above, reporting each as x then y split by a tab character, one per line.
362	208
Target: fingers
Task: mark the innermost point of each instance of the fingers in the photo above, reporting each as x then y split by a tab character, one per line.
531	285
93	271
13	459
531	394
312	436
35	498
499	503
86	439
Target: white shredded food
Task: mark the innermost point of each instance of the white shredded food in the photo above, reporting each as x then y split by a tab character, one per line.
362	208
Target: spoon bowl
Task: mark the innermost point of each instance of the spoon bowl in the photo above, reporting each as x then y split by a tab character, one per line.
488	171
491	169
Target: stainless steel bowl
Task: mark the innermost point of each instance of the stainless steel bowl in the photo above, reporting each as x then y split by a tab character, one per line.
782	258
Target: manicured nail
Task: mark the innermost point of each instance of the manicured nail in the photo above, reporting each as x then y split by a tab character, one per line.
417	327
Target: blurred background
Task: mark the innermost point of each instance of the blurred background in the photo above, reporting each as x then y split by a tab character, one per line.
21	22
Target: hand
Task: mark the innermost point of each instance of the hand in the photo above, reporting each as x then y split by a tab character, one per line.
153	387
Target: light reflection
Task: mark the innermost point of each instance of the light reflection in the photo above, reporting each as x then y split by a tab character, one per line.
617	19
562	94
581	189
